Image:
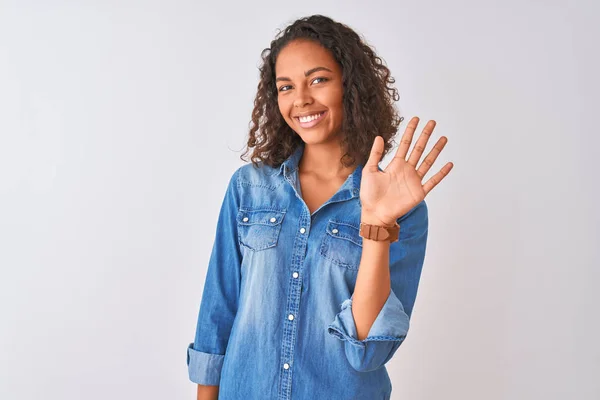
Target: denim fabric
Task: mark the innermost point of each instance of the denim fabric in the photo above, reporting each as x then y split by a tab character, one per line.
275	319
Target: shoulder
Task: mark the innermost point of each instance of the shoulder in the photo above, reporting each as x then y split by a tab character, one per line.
418	211
252	175
250	183
417	218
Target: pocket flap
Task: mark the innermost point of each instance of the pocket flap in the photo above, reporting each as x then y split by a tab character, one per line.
344	230
263	217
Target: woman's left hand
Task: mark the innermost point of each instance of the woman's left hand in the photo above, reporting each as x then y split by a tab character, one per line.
387	195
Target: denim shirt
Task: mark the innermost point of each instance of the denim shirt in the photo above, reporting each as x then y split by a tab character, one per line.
275	319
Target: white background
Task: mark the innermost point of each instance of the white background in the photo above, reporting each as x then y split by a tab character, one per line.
122	121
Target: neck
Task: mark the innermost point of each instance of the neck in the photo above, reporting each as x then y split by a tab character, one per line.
323	160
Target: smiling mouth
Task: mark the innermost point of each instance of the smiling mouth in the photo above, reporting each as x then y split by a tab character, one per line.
311	122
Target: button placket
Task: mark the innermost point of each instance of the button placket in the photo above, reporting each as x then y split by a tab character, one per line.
287	355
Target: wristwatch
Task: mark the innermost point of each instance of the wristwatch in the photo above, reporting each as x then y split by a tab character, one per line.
380	232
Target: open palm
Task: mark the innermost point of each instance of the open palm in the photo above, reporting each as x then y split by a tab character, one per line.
389	194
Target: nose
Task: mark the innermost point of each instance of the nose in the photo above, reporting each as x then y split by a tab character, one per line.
303	98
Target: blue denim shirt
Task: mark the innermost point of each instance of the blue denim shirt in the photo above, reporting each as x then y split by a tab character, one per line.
275	319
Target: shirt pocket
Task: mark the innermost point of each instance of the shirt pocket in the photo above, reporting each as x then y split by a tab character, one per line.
342	244
258	229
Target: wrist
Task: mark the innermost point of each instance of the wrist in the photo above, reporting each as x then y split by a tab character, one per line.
375	229
372	219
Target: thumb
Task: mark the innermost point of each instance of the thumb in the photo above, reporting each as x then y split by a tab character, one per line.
375	155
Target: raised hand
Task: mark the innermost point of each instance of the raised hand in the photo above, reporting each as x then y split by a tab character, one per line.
389	194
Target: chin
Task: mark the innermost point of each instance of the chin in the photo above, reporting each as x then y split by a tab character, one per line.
316	136
314	139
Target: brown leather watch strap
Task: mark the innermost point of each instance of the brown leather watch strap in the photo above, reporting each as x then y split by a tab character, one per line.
380	232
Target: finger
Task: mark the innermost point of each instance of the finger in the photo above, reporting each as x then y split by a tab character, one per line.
432	156
375	155
417	151
437	178
407	138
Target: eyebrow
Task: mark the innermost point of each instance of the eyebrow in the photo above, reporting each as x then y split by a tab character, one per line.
307	73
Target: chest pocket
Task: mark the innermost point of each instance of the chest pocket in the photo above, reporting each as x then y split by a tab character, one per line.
342	245
258	229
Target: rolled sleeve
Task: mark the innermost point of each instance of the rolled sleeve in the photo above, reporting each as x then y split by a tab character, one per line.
390	328
204	368
385	336
220	296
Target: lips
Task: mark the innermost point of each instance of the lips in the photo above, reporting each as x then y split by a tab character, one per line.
313	122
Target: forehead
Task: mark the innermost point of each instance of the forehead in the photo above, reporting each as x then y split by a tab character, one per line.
301	55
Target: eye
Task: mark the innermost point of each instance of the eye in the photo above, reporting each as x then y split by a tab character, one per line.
282	88
320	77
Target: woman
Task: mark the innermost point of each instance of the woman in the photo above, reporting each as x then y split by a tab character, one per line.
318	252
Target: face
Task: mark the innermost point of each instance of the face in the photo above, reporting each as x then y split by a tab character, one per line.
309	91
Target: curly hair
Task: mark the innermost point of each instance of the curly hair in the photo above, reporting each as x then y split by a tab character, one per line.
368	95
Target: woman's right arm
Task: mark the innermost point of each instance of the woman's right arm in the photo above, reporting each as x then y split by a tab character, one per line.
220	297
208	392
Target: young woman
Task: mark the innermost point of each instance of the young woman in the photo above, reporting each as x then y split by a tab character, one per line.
318	251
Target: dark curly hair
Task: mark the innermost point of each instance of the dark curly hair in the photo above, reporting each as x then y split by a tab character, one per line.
368	95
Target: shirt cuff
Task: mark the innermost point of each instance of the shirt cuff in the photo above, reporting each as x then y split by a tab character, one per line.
204	368
391	323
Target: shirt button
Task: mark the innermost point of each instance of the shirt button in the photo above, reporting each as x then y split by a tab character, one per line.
273	219
245	219
291	317
295	274
286	366
334	230
302	230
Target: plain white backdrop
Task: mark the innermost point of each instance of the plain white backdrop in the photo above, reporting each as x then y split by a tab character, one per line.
122	121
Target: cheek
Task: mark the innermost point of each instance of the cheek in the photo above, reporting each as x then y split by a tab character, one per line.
283	108
338	118
338	106
335	100
340	98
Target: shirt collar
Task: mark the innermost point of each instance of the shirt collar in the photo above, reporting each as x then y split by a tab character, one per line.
350	187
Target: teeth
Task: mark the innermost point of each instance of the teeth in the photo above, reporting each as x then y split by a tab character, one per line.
309	118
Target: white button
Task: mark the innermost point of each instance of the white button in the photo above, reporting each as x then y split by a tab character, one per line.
295	274
245	219
302	230
286	366
290	317
334	230
273	219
